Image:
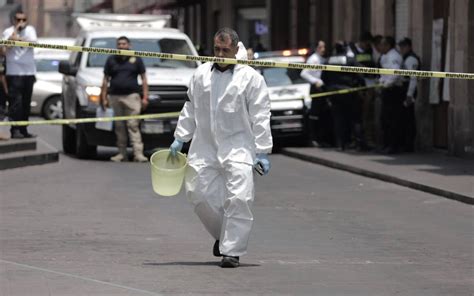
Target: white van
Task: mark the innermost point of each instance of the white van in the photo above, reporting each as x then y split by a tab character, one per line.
83	74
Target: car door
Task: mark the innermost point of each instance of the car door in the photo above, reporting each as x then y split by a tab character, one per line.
70	84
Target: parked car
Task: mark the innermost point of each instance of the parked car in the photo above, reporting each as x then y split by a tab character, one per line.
46	98
289	95
83	73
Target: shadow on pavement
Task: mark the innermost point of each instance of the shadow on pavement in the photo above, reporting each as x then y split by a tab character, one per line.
195	263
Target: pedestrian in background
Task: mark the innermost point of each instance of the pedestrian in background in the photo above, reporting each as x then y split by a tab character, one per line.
362	50
319	118
393	95
376	49
250	54
20	73
363	101
342	105
378	131
123	95
3	85
227	117
410	84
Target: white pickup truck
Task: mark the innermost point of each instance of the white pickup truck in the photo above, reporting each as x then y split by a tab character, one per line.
83	74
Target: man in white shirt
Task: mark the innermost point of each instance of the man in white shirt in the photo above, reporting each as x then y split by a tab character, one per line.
314	76
21	70
393	97
317	116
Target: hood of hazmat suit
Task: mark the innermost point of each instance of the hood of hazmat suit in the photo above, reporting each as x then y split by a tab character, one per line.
242	53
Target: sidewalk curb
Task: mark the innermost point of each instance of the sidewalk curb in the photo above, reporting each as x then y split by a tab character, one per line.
380	176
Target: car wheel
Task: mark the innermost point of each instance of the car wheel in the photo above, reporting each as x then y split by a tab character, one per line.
69	139
83	149
53	108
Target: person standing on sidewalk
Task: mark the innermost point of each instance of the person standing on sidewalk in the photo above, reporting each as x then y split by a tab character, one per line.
363	101
319	117
410	62
227	116
393	96
123	95
3	85
21	71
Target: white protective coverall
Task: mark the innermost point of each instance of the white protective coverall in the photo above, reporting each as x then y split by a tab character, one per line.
227	117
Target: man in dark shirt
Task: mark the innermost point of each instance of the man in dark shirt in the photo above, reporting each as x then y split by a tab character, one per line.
124	97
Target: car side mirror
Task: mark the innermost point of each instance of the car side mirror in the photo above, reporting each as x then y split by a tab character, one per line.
67	69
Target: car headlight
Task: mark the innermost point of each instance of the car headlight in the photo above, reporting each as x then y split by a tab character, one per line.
93	94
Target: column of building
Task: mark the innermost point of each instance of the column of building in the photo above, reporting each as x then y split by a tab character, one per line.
461	92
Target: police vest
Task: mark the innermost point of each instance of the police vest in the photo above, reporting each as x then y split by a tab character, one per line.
411	54
363	58
406	79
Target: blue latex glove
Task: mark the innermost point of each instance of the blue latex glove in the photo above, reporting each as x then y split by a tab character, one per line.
264	162
176	147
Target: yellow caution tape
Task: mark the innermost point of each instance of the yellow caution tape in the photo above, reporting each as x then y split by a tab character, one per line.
344	91
155	116
88	120
274	64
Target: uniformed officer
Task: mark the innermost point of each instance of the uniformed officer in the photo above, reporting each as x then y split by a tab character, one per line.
363	102
362	51
3	85
410	62
342	105
376	54
318	120
393	97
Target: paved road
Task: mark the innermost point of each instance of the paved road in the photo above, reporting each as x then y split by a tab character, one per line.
96	228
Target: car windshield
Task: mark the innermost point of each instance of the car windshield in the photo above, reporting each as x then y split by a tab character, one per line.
47	65
281	76
165	45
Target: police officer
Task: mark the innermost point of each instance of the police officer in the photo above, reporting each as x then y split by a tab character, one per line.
362	51
393	96
376	55
342	105
363	102
318	120
3	85
123	95
410	62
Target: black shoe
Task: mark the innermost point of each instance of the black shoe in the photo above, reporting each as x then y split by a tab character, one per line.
28	135
17	135
393	150
230	262
215	249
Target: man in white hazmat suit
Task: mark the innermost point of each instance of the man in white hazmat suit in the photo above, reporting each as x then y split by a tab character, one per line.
227	117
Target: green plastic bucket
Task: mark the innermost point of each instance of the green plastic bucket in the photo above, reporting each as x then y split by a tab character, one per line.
167	172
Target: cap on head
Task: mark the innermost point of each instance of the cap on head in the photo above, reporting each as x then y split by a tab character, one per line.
366	37
405	42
